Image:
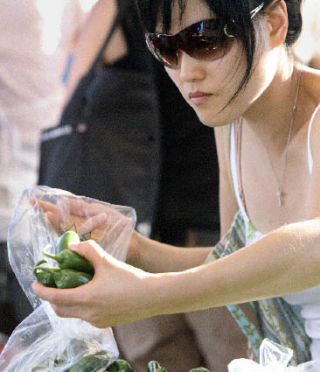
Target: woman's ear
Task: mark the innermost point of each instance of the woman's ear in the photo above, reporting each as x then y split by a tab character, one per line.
277	23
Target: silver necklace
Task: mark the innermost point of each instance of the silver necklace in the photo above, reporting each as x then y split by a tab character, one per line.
280	193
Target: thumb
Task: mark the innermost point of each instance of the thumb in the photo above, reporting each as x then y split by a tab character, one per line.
91	251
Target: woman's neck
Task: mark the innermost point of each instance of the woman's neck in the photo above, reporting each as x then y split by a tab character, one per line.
270	116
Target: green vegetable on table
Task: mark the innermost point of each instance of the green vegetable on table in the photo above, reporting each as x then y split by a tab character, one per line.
120	365
91	362
154	366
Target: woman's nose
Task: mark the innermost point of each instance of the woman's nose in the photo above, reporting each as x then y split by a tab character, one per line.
190	68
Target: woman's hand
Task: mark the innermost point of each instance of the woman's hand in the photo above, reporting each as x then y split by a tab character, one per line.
118	293
97	221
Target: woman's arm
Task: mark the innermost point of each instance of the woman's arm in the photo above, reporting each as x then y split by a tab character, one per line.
284	261
101	219
156	257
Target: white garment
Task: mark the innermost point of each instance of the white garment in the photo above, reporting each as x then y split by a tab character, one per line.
31	90
308	44
309	299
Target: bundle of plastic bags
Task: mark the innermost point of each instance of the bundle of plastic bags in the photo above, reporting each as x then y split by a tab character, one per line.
273	358
43	341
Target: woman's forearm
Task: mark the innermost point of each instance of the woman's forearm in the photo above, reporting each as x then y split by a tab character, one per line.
156	257
286	260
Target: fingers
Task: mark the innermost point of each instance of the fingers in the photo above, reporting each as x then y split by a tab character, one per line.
81	208
92	224
66	305
54	220
50	211
61	297
43	205
84	209
68	210
92	252
65	302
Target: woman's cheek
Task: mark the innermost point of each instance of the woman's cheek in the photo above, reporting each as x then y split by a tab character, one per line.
174	75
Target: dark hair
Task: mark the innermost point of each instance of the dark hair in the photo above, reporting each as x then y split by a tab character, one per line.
233	13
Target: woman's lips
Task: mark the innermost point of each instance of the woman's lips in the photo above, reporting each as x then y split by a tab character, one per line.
198	98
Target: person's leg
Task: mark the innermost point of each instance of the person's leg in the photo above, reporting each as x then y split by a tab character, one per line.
166	339
218	337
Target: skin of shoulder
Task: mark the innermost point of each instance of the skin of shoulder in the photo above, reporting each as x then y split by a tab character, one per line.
91	38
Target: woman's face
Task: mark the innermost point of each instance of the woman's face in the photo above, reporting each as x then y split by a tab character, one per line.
208	86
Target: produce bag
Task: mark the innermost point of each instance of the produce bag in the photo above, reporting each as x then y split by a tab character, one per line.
43	341
273	358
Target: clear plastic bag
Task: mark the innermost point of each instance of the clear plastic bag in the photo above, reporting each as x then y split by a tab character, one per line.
43	341
273	358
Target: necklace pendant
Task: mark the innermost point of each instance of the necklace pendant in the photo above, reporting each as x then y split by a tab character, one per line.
279	196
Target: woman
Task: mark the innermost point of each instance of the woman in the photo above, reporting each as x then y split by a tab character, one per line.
243	75
127	58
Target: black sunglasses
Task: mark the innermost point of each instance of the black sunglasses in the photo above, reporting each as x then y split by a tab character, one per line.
203	40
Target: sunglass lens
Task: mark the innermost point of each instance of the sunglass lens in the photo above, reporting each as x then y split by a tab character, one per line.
208	50
204	40
164	51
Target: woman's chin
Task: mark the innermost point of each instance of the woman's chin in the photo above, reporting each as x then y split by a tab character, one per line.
213	120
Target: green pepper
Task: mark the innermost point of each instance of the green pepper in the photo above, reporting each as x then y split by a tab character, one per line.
91	362
199	369
68	278
68	259
65	239
154	366
44	275
120	365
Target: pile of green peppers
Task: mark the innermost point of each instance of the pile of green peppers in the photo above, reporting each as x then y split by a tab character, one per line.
100	361
78	357
72	271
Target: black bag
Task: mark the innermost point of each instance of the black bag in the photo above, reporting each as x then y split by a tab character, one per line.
106	145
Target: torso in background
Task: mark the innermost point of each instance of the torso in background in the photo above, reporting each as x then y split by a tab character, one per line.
34	43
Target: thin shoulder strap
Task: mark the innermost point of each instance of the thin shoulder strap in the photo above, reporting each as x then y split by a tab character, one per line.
310	159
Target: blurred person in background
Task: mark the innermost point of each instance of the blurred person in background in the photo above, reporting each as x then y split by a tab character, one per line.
35	38
188	175
307	48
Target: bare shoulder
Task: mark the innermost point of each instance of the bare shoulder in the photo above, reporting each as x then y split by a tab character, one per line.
91	37
98	22
104	6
